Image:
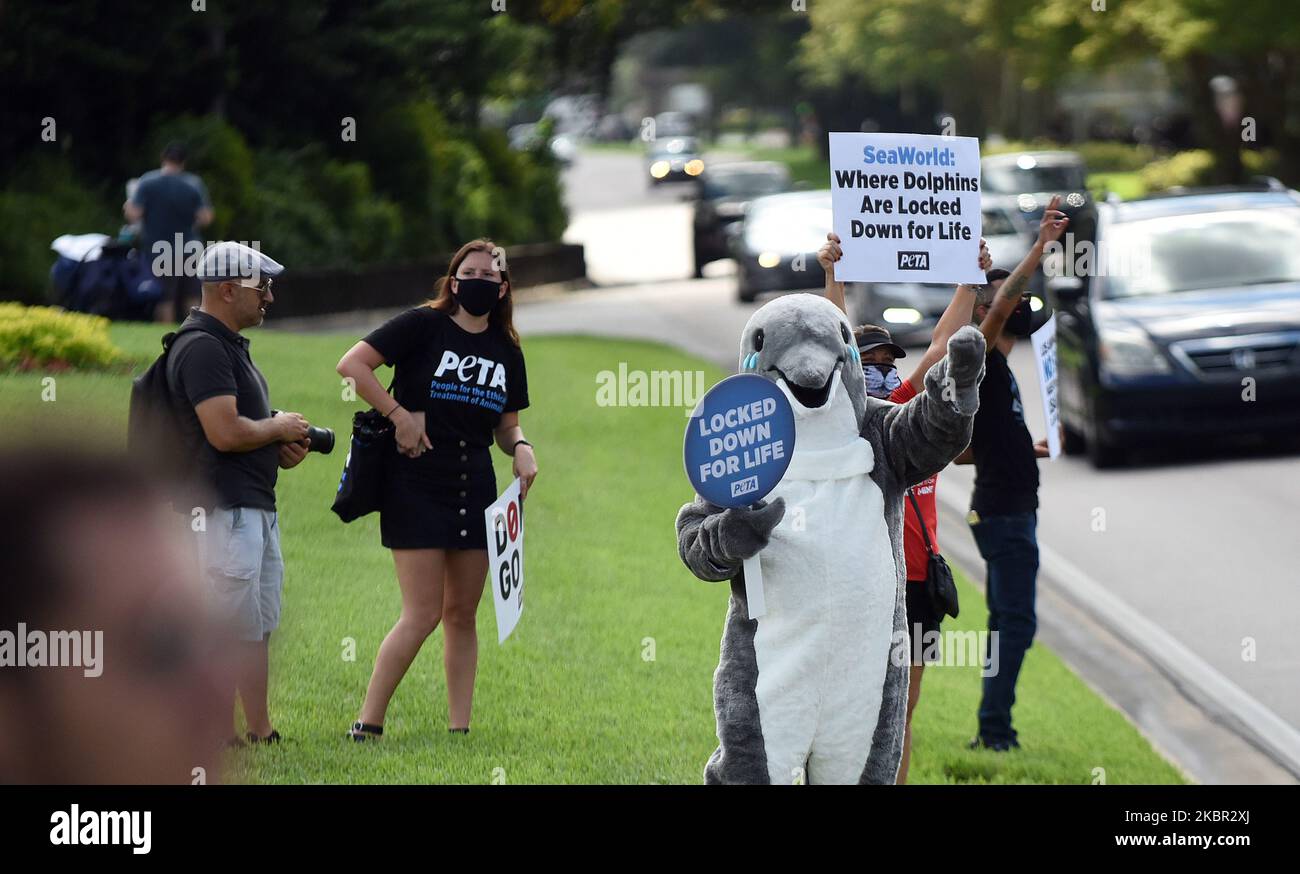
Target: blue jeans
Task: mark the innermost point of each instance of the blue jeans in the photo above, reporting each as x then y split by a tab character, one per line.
1009	545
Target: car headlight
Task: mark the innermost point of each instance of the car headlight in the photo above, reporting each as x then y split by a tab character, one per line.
901	315
1128	352
694	167
659	169
769	259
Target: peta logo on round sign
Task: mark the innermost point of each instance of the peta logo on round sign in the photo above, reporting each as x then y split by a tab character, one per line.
739	441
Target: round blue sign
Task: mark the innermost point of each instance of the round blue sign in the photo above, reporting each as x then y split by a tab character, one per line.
739	440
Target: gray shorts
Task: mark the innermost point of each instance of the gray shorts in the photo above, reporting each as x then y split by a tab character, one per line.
240	555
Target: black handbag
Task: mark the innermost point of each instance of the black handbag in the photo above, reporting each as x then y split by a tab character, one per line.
361	488
939	584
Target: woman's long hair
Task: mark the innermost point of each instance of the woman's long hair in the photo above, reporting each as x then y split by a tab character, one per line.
502	315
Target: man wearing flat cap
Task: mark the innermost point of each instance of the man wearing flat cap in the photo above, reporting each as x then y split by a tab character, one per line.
224	410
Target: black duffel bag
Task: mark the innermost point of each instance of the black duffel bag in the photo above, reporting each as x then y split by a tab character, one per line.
361	488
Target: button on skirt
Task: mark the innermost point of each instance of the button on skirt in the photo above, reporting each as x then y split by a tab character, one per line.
437	501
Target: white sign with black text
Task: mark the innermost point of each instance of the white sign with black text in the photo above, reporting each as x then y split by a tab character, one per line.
1044	340
906	207
505	540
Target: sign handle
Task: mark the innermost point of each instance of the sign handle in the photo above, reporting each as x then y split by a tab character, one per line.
754	587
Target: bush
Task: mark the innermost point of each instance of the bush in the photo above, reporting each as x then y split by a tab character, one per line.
1190	168
1196	167
1099	156
49	338
417	188
315	212
1111	157
454	185
45	201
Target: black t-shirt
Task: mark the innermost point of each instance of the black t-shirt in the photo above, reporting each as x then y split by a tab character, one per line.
1006	469
461	381
206	364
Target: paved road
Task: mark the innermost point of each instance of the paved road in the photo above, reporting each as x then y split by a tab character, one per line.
1204	544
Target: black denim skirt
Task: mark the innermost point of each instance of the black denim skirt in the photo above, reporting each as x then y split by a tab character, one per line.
437	501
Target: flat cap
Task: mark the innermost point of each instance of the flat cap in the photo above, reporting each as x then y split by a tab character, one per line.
230	260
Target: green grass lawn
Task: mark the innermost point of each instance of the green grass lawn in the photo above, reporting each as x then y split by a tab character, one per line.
608	677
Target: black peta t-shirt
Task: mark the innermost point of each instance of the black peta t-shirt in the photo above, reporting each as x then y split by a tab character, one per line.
1006	468
461	381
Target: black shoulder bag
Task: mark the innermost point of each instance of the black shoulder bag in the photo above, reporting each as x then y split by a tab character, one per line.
939	584
361	488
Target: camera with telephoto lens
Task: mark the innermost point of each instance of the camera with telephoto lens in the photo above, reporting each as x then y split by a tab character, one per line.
322	439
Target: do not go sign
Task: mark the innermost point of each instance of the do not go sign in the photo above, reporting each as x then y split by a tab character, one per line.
505	534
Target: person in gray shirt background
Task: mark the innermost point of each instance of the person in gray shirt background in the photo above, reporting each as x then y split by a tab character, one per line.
170	205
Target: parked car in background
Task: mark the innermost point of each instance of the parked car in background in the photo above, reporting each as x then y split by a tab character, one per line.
1198	336
910	310
674	159
526	137
1032	178
775	246
725	192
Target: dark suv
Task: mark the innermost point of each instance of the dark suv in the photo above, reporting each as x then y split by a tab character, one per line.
1187	324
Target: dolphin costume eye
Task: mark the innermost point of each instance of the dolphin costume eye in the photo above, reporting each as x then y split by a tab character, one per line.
844	333
758	340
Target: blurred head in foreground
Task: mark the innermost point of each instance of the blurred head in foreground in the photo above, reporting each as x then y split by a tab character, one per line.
110	668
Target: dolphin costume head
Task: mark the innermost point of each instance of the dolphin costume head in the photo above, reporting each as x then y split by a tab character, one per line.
804	342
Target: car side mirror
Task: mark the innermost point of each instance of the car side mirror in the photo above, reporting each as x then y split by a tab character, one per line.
1066	289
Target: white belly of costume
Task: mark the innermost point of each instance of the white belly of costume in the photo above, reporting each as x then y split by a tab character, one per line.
830	582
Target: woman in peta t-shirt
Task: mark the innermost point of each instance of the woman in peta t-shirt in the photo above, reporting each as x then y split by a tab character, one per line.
459	384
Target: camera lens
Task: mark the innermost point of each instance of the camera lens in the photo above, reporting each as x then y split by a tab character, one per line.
322	439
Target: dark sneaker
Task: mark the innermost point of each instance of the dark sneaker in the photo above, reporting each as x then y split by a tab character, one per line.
997	746
272	738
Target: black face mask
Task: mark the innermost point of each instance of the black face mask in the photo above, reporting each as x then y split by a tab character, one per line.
1019	321
477	296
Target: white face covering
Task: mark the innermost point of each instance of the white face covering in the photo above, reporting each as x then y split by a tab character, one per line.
881	379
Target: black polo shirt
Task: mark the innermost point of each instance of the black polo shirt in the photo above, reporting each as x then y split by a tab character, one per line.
208	363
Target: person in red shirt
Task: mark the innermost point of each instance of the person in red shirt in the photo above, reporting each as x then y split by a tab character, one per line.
879	356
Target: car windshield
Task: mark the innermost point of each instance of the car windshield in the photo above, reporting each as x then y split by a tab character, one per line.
1009	179
996	223
744	184
1204	250
674	146
784	226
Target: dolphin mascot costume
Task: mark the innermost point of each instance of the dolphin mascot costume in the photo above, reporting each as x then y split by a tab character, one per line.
815	690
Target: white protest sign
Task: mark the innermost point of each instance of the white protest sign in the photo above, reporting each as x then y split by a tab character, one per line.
1044	340
505	536
906	207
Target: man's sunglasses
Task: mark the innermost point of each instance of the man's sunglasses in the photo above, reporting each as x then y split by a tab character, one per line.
262	288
